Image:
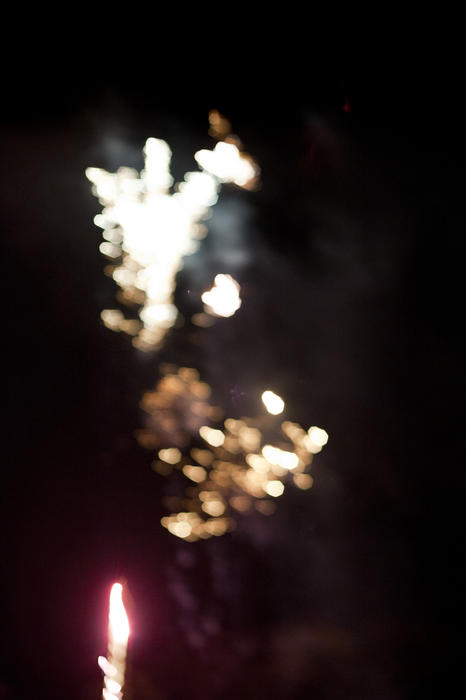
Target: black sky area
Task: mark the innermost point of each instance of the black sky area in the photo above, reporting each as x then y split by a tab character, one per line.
351	261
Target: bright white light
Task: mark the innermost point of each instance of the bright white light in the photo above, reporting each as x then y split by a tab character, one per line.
158	315
223	298
273	403
110	250
227	163
318	436
274	488
106	666
315	439
157	165
282	458
113	686
148	230
118	633
117	618
107	695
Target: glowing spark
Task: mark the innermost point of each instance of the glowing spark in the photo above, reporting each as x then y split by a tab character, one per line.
212	436
117	618
249	438
118	634
282	458
196	474
273	403
219	126
228	164
214	508
274	488
182	529
223	298
318	436
106	666
171	455
258	463
107	695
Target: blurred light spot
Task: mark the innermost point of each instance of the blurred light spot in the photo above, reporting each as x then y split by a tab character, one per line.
273	403
110	250
249	438
202	320
112	686
223	298
162	468
228	164
194	473
293	431
217	527
234	426
212	436
204	457
214	508
171	455
240	503
112	318
266	507
201	390
208	495
318	436
303	481
118	619
180	529
316	439
232	445
282	458
220	127
107	695
274	488
106	666
258	463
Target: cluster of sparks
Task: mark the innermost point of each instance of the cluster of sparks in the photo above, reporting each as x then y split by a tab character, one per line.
113	667
229	466
149	225
233	467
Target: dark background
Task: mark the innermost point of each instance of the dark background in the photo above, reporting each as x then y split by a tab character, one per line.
350	258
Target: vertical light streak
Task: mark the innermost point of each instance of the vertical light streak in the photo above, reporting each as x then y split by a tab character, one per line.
118	634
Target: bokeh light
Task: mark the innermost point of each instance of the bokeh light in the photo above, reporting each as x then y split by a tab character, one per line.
273	403
223	298
232	466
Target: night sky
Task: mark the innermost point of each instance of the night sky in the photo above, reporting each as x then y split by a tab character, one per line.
350	257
